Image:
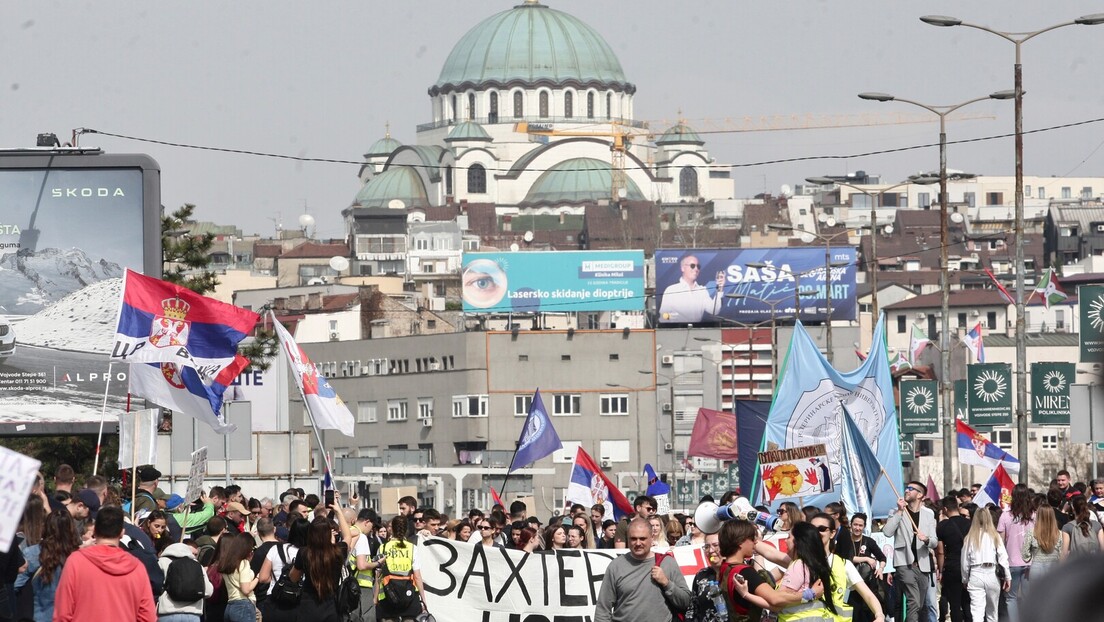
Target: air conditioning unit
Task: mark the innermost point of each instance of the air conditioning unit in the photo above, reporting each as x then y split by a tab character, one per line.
668	446
667	359
434	366
427	423
1031	435
666	407
606	463
1061	434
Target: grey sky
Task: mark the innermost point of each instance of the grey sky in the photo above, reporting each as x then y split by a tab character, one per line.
322	79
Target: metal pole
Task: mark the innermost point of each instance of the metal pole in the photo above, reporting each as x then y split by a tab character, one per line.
945	309
1021	328
732	379
828	283
774	353
874	200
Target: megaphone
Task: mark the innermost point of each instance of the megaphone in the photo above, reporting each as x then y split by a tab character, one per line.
709	516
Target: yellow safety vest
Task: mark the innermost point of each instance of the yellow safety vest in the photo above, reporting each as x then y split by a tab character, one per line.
399	559
839	588
813	611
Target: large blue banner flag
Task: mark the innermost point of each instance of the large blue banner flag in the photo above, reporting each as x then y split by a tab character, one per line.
808	409
538	438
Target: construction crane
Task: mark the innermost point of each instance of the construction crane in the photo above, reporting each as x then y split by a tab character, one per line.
620	137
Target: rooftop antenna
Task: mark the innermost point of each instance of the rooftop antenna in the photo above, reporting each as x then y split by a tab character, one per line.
278	221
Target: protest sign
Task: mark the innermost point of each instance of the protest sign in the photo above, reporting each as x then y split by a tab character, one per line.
795	472
138	438
196	474
17	476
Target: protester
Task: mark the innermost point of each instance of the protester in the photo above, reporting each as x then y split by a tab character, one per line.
554	537
400	569
869	561
366	548
464	530
144	502
750	591
790	515
318	564
913	529
982	553
673	531
84	505
703	588
1015	522
810	565
643	506
281	555
266	536
169	609
104	582
693	535
609	529
1042	546
59	542
587	537
1081	536
951	534
636	588
156	527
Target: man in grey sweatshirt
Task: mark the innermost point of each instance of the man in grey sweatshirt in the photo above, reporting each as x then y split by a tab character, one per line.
636	589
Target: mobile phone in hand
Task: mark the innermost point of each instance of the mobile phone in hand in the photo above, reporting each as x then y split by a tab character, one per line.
329	498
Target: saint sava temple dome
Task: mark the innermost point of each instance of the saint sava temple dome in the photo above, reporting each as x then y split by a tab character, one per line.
525	115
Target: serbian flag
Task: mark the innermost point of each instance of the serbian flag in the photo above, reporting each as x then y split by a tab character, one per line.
164	323
974	448
998	490
181	390
1000	288
974	343
714	436
589	485
495	498
326	409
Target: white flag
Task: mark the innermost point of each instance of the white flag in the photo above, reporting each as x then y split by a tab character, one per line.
138	438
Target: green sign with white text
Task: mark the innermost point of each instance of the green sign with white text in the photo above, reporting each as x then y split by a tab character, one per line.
960	399
1050	392
989	394
1090	304
919	407
684	493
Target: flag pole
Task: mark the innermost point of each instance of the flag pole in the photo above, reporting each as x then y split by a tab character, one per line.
509	468
134	466
103	414
899	497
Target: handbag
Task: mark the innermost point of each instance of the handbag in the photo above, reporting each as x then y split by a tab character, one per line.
1002	576
286	592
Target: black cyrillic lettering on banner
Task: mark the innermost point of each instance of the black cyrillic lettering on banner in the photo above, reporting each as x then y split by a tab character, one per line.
544	555
479	556
568	600
453	555
514	574
595	579
532	617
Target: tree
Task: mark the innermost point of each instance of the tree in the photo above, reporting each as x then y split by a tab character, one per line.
186	260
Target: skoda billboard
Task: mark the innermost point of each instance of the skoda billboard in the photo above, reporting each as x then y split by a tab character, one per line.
71	222
747	285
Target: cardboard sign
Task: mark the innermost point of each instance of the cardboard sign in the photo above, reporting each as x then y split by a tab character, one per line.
138	438
794	472
196	474
17	476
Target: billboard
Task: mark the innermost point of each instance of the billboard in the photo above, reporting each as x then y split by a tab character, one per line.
553	282
71	222
745	284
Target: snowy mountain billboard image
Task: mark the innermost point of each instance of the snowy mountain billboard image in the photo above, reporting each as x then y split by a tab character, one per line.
70	224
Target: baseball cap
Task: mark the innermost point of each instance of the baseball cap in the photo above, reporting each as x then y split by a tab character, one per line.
90	499
148	474
173	502
234	506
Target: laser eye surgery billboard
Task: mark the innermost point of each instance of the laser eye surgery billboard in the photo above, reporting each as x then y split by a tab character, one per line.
70	224
743	285
553	282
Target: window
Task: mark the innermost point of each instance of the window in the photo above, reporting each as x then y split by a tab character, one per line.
458	406
609	105
448	180
924	199
1027	191
590	105
688	369
961	320
901	321
1060	320
569	103
519	105
396	410
688	182
567	404
477	179
425	408
614	451
1042	192
469	405
567	454
522	404
492	115
1066	193
1048	441
452	115
969	198
991	320
366	412
421	244
1086	192
543	100
471	105
994	198
1002	439
614	404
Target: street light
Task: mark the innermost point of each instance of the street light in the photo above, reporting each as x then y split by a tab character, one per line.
808	236
773	304
1017	39
875	199
945	298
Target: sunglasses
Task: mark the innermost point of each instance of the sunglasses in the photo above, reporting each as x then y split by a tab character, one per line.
693	265
913	489
823	528
484	527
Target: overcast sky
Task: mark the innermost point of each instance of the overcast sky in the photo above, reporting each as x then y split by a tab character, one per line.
321	80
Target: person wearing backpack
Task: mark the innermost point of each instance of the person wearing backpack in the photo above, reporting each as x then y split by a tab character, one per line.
186	585
1082	535
319	565
399	592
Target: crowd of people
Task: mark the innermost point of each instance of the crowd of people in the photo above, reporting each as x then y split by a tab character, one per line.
85	554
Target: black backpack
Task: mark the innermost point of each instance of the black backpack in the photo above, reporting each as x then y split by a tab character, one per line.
348	591
184	580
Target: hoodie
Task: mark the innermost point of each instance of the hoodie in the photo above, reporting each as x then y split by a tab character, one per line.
166	605
104	582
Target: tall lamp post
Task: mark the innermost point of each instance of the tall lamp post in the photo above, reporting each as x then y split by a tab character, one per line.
945	299
1017	39
875	199
773	304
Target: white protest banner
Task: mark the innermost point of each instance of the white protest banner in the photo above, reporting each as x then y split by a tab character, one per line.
196	474
17	476
475	583
138	438
794	472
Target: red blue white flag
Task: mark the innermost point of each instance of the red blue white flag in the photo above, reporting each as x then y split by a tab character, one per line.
160	322
326	409
589	485
181	390
998	490
974	448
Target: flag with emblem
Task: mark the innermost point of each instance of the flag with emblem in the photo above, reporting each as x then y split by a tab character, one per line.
918	340
975	449
589	485
538	438
998	490
325	407
160	322
1049	289
974	343
181	390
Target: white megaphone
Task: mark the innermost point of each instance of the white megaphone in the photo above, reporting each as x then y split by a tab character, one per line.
709	516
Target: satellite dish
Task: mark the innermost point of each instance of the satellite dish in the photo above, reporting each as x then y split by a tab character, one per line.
527	236
956	217
339	263
821	217
306	220
785	190
396	204
514	247
807	237
888	229
831	222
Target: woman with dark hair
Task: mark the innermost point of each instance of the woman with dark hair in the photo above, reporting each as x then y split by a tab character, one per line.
797	595
59	541
1014	524
866	556
554	537
790	515
156	527
609	529
464	530
400	580
277	562
238	577
1082	535
318	564
528	540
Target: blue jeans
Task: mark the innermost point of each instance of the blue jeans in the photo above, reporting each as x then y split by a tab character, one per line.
1019	583
178	617
240	611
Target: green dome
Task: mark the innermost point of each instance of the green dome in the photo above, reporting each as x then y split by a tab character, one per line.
383	146
578	180
680	134
468	130
528	45
400	182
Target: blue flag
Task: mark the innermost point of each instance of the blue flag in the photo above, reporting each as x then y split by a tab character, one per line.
861	468
538	437
807	411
